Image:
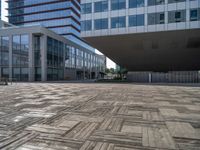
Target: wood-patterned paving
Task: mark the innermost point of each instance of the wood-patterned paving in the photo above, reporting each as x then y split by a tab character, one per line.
66	116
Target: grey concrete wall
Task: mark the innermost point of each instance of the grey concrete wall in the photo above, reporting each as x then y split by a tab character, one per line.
161	77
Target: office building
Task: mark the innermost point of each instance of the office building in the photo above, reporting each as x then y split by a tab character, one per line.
34	53
145	35
61	17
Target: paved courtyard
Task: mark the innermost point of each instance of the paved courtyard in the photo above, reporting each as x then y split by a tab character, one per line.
66	116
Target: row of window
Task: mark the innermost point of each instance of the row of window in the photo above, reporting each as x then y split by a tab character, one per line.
20	48
55	51
74	57
42	16
138	20
79	59
19	74
42	8
102	6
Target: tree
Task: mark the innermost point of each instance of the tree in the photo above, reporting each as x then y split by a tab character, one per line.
110	70
122	72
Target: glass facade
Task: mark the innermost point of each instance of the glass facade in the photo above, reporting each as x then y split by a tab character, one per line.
156	18
86	25
101	6
37	57
20	60
4	56
51	14
86	8
136	3
47	59
114	11
83	60
118	22
155	2
175	1
195	14
176	16
118	4
136	20
101	24
55	59
62	17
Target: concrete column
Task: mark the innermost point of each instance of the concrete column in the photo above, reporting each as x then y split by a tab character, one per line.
10	57
0	68
43	51
83	65
31	58
75	61
96	69
64	56
150	77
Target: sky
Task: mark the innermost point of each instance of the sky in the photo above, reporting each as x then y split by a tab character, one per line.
3	10
110	63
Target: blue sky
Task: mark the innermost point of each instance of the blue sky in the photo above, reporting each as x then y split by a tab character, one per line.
110	63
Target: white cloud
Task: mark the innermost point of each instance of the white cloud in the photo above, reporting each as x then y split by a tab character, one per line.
4	12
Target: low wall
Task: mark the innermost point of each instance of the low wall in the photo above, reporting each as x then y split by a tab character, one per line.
169	77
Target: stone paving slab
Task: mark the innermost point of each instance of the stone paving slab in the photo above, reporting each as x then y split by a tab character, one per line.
87	116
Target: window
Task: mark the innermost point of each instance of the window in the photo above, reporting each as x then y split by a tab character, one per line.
16	43
101	6
5	72
86	25
162	18
176	16
55	51
101	24
136	20
118	22
175	1
156	18
136	3
118	4
4	43
24	43
86	8
193	15
4	58
155	2
20	48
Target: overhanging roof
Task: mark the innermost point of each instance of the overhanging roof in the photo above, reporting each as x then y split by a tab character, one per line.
152	51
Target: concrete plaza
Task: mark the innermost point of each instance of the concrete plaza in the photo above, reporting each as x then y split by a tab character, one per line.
86	116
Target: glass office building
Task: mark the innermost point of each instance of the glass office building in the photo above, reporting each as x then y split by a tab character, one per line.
62	17
34	53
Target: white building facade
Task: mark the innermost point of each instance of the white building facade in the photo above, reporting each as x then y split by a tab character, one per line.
146	36
111	17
